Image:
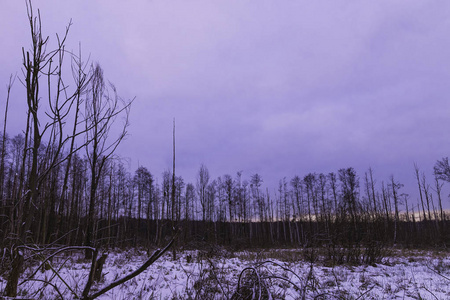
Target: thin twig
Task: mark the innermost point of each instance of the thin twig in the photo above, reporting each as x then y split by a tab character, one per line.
430	292
366	292
51	284
53	254
437	273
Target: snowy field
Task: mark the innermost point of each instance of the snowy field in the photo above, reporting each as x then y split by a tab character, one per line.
275	274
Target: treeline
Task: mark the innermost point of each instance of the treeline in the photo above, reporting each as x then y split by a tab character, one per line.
60	181
129	209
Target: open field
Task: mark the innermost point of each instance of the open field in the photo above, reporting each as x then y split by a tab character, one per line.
273	274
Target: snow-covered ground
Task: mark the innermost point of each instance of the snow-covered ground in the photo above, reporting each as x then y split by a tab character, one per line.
281	274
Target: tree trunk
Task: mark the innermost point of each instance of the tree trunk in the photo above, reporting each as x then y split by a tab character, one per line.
13	277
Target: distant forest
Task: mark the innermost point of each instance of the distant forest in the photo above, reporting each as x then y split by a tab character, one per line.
61	182
72	196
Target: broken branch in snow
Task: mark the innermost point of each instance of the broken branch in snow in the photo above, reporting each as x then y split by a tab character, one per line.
438	273
157	254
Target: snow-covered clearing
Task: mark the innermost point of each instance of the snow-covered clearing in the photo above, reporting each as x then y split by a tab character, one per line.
285	273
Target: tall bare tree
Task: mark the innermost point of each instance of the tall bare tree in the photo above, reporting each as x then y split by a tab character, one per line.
3	146
416	170
202	184
103	106
258	200
46	67
395	186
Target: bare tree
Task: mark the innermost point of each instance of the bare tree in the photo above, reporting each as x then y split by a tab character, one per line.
173	180
3	147
349	191
427	194
438	186
41	66
395	186
442	169
103	106
372	188
82	80
228	186
297	190
202	184
189	213
441	172
143	181
211	191
258	200
333	185
416	169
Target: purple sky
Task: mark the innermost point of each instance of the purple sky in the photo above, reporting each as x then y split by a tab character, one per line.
274	87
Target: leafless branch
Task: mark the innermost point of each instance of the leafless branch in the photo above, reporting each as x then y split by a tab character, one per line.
157	254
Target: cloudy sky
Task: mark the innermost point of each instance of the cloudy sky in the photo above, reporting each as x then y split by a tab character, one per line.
274	87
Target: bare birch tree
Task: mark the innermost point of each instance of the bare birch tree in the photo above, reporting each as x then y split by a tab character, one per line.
103	106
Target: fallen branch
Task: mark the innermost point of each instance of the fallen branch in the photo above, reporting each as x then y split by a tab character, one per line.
366	292
438	273
157	254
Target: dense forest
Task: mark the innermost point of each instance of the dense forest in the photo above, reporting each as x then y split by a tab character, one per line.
129	209
60	180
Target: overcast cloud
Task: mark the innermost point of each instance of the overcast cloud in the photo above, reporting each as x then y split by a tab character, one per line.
275	87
